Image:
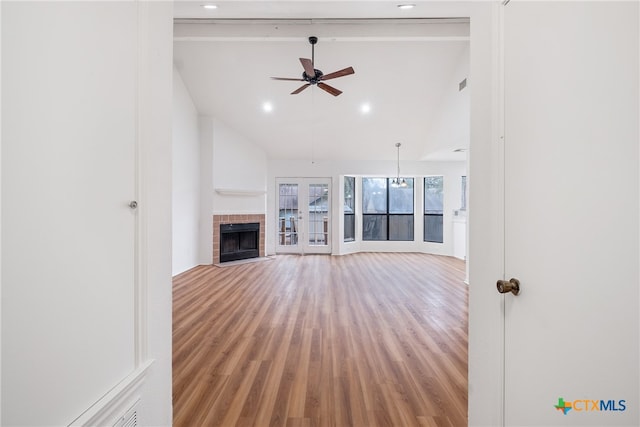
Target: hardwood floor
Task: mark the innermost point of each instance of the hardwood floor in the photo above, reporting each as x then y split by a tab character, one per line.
367	339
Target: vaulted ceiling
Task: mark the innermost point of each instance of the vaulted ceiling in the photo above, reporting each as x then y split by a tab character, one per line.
407	70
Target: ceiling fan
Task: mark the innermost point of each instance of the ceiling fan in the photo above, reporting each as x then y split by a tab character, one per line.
313	76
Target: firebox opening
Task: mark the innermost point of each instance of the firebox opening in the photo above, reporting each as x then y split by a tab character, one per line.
239	241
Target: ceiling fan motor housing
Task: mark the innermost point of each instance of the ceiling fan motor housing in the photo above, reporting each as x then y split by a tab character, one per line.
312	80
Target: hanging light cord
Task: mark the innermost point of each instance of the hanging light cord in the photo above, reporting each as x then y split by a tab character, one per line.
396	182
313	125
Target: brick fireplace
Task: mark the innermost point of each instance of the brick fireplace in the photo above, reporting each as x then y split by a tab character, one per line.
219	220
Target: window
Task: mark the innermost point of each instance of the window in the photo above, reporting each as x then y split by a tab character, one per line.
433	208
387	211
349	208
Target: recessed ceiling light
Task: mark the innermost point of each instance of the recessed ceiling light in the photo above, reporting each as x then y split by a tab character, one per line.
209	6
267	107
406	6
365	108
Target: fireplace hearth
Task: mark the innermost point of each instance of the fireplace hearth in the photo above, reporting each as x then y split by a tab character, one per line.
239	241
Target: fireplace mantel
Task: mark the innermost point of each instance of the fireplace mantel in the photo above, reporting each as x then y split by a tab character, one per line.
238	192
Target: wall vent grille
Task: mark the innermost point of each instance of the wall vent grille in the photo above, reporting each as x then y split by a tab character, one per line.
130	418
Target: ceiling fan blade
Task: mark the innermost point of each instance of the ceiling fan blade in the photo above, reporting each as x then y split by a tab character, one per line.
300	89
287	78
307	64
332	90
343	72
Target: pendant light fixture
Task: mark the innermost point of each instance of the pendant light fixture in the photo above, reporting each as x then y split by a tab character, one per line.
397	182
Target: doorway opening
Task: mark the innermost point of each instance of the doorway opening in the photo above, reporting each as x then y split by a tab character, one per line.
303	216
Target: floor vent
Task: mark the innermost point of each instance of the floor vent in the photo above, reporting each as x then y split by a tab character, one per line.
130	418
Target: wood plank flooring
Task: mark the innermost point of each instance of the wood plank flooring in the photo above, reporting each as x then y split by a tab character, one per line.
369	339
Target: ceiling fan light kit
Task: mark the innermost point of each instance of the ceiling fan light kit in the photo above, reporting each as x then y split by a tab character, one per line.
313	76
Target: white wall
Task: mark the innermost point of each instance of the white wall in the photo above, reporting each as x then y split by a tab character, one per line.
238	165
186	179
81	100
208	155
205	238
336	170
217	157
451	128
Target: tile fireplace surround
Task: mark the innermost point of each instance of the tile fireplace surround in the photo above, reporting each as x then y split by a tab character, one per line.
235	219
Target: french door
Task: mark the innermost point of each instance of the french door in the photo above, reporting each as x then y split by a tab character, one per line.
304	215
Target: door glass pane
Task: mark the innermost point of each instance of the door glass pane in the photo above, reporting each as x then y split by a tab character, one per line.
288	215
318	211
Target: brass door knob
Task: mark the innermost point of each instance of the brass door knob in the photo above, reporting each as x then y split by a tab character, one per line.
512	286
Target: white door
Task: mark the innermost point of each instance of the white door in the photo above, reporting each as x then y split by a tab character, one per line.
68	176
304	215
571	213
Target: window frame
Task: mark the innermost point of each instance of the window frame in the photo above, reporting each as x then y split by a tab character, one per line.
387	214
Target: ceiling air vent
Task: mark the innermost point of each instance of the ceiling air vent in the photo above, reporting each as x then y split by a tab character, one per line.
462	85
